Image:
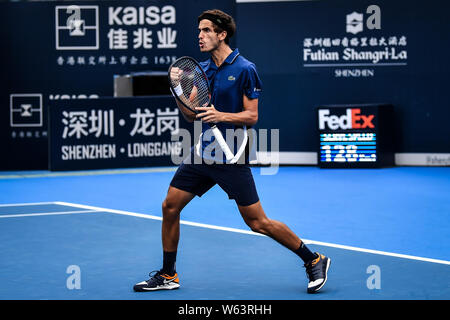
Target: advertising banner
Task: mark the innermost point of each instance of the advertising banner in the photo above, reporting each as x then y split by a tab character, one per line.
115	133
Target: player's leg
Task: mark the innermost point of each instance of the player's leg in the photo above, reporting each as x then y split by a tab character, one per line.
172	205
255	217
189	181
316	264
167	277
237	181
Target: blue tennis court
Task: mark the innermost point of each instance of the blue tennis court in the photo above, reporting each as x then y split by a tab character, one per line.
93	235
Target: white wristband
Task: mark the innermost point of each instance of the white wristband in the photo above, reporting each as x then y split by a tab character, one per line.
178	90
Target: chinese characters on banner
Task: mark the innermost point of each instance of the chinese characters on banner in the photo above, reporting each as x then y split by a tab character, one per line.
78	124
355	56
354	42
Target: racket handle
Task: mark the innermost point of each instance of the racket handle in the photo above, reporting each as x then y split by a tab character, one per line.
223	145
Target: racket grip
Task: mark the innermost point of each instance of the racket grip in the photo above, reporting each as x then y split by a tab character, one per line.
223	145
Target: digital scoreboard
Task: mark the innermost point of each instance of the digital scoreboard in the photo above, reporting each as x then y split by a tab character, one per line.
348	147
355	136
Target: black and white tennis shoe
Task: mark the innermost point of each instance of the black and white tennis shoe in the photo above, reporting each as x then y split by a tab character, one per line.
158	281
317	270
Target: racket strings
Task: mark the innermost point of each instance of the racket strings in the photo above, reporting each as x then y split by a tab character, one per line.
194	85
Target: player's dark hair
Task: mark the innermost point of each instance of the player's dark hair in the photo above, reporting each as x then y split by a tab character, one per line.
221	21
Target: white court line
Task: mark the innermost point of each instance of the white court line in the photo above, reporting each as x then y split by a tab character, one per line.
44	214
26	204
147	216
87	173
202	225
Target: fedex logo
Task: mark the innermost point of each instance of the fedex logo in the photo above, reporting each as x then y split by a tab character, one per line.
353	119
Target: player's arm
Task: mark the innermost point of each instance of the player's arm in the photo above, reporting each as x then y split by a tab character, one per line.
247	117
188	115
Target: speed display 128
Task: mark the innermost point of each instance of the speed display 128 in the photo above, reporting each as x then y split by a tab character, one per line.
352	136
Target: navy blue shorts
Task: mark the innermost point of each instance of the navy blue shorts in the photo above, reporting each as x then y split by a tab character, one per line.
235	180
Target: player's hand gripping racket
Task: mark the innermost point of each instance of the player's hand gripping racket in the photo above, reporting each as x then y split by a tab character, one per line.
189	85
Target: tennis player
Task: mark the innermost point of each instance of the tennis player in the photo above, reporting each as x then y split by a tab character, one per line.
235	87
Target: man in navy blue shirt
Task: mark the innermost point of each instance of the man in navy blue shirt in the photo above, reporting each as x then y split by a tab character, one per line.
236	88
234	83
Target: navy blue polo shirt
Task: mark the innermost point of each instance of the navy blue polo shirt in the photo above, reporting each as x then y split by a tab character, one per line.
229	82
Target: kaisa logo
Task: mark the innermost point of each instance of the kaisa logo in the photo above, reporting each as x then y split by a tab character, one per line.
355	23
25	110
76	27
353	119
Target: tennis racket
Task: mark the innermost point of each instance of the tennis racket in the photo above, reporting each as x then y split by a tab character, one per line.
189	85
